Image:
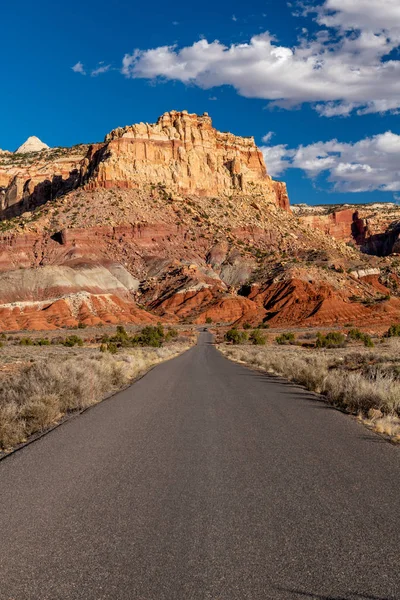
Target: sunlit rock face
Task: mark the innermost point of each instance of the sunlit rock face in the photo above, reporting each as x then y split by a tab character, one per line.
183	152
32	144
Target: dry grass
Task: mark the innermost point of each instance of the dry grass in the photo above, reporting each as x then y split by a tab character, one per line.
364	383
40	394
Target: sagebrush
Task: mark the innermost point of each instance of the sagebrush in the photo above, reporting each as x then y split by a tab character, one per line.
42	393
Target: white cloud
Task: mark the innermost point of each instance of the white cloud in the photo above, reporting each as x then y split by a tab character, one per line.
343	68
102	68
360	14
267	137
277	158
367	165
79	68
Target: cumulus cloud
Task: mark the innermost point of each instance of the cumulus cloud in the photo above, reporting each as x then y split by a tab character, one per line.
360	14
346	66
79	68
367	165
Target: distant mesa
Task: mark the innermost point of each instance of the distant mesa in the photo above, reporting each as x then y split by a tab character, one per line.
32	144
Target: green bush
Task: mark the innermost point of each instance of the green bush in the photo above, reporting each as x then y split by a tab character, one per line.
42	342
112	348
73	340
333	339
263	325
27	341
235	336
356	334
171	334
151	336
368	341
246	325
257	338
285	338
393	331
209	320
109	347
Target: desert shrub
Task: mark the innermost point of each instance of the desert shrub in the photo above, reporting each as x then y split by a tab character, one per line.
356	334
246	325
367	340
209	320
333	339
285	338
151	336
73	340
37	396
257	338
171	334
121	336
354	391
1	344
393	331
112	348
82	325
42	342
27	341
263	326
235	336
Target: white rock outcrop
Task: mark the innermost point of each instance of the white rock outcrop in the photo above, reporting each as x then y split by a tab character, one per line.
32	144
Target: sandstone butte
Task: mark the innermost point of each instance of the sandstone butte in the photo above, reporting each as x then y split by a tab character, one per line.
178	222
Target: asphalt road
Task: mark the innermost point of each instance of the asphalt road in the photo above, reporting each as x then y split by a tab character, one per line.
204	481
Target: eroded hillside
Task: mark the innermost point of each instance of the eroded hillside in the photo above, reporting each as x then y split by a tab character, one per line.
176	221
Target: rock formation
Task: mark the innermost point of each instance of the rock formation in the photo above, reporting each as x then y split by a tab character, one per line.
179	222
185	153
30	180
182	152
32	144
374	228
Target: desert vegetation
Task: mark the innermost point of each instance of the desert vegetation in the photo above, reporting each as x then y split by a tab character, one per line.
42	380
352	371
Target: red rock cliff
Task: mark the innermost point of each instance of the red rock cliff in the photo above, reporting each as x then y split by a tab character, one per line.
186	153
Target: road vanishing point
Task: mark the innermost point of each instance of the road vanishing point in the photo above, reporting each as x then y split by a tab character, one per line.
204	480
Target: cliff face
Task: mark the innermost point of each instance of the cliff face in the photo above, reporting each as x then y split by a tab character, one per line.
183	152
375	228
30	180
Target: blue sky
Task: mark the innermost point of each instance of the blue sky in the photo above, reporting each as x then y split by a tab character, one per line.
319	81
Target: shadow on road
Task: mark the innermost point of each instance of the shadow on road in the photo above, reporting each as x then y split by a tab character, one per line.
317	401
